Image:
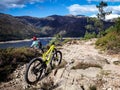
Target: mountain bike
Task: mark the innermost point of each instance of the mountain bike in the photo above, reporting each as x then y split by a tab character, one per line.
37	67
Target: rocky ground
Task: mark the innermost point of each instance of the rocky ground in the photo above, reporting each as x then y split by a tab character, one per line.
86	68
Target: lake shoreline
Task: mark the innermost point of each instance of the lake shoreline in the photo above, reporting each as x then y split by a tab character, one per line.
15	41
26	40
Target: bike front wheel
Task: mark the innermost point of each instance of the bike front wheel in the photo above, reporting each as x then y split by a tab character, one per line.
34	71
56	60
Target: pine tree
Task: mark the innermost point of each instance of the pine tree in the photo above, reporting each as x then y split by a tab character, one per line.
101	15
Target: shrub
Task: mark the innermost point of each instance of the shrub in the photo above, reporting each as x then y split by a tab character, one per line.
117	25
13	55
90	35
10	58
56	40
111	41
82	65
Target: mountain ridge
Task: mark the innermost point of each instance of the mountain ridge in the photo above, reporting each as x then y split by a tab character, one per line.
22	27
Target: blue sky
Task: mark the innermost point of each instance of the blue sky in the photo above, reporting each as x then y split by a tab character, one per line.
43	8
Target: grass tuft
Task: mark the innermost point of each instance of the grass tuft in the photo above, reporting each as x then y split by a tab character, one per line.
10	58
116	62
82	65
93	87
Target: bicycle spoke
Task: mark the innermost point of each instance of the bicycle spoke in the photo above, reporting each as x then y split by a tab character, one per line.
56	59
34	71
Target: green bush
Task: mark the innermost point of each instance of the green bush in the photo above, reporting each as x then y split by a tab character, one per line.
11	55
111	41
111	29
56	40
10	58
117	25
90	35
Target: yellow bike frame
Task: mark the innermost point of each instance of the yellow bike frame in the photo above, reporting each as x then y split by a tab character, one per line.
48	54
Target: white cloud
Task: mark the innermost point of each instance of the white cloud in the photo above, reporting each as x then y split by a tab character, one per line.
94	15
114	9
16	6
16	3
111	16
91	10
82	9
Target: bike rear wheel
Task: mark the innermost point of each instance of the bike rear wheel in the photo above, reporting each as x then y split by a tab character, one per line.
56	60
34	71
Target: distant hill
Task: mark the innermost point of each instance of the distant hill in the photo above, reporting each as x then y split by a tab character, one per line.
12	28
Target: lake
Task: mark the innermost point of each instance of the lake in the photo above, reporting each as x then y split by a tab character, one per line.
27	43
22	43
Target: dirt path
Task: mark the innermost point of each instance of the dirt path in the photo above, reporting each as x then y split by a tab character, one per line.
84	52
91	69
